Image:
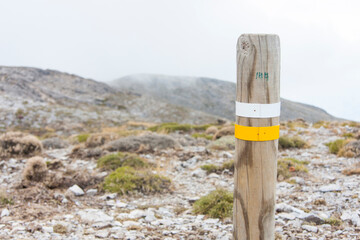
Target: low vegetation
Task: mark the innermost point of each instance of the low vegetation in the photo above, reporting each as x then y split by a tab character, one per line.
223	144
335	146
212	168
4	198
172	127
202	135
125	180
217	204
16	144
333	221
289	167
35	169
286	142
81	138
120	159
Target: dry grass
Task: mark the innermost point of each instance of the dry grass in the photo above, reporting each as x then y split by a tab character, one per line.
13	144
35	169
354	170
225	131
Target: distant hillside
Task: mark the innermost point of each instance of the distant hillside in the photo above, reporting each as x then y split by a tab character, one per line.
208	95
36	98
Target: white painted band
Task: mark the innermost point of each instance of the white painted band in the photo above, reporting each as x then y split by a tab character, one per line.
256	110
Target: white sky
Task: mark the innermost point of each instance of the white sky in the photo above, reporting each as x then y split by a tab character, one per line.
107	39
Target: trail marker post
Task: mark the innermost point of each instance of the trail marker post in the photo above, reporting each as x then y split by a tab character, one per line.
257	133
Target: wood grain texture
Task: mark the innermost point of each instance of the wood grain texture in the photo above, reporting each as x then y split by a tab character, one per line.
256	162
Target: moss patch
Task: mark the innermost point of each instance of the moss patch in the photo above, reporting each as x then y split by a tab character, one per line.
82	137
202	135
212	168
126	179
120	159
289	167
217	204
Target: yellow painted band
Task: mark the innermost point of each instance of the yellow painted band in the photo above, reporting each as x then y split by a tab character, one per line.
257	133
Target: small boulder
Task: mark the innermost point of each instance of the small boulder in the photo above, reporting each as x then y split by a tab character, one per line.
54	143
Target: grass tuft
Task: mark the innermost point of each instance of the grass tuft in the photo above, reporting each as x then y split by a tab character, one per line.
286	142
120	159
217	204
288	167
335	146
212	168
82	137
125	180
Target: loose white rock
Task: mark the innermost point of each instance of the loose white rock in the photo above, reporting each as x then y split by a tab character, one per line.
330	188
91	192
137	214
76	190
310	228
94	215
5	212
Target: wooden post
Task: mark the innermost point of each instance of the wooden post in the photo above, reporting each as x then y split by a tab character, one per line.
258	82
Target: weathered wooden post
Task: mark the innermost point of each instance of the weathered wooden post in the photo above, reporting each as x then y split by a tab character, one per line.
257	133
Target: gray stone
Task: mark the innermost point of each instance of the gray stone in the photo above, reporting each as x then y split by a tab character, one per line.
199	173
351	216
150	216
286	216
102	234
91	192
165	212
76	190
310	228
330	188
94	215
312	218
5	212
137	214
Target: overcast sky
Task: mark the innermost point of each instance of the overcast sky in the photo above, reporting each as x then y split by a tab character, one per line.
108	39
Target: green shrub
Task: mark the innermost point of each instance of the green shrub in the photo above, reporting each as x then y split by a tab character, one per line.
217	204
335	146
82	137
202	135
212	168
286	142
120	159
288	167
172	127
126	179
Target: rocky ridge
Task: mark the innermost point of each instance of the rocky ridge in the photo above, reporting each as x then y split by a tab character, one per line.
208	95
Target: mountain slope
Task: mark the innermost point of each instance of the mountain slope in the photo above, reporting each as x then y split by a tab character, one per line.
36	98
212	96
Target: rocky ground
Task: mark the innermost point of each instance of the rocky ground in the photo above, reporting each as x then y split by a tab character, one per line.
321	204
